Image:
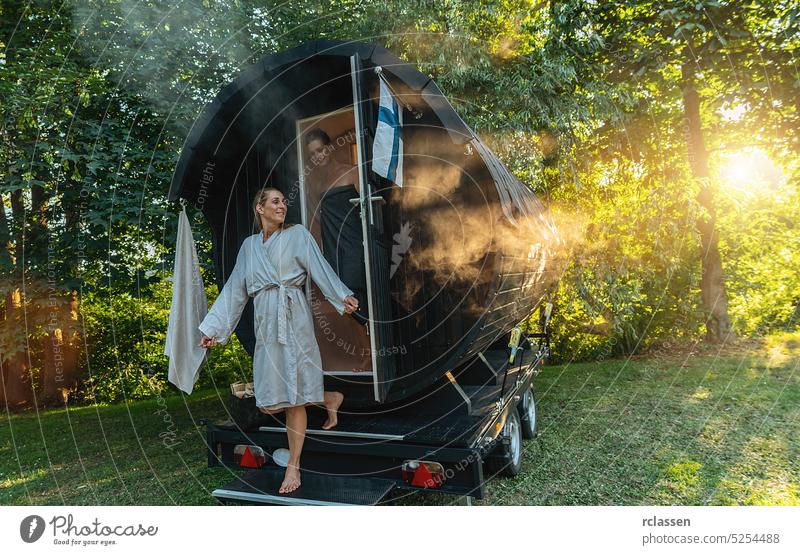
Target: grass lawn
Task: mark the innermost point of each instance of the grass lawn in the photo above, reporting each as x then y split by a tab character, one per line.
682	428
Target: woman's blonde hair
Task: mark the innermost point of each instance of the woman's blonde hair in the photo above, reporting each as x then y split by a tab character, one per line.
260	197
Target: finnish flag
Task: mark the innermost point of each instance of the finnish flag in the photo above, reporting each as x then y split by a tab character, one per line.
387	150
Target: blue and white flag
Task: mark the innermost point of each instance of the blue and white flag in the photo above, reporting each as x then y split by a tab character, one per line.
387	150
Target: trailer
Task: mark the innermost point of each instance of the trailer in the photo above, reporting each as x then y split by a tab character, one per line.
449	440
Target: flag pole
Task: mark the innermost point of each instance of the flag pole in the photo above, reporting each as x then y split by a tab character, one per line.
406	105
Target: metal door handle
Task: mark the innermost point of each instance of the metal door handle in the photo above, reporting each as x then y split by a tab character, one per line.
374	198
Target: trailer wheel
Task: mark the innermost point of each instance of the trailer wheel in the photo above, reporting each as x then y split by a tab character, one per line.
527	414
510	463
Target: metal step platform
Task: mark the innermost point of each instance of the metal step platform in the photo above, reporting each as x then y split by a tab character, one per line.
260	486
455	420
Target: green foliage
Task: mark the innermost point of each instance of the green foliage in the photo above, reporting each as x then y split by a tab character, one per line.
630	263
761	243
124	347
622	183
125	336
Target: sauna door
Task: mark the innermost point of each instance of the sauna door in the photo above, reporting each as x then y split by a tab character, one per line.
376	250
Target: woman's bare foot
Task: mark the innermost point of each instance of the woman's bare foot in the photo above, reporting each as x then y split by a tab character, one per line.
332	406
291	479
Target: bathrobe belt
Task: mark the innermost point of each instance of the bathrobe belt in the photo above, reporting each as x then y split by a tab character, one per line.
283	295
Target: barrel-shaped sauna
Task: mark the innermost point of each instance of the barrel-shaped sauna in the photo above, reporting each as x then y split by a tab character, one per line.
453	257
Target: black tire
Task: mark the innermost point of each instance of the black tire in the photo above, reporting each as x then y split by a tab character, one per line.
508	463
528	415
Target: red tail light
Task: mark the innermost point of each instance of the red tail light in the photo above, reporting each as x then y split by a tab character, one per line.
424	474
249	456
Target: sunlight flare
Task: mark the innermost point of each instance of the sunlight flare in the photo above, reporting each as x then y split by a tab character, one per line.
749	171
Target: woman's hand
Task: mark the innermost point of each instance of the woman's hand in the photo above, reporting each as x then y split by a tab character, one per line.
208	342
350	304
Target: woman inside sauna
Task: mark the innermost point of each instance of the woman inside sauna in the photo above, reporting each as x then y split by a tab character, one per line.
334	183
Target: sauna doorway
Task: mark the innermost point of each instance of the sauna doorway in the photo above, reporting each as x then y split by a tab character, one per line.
329	180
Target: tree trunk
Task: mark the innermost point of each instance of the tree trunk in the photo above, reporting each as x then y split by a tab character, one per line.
59	375
17	383
52	376
712	284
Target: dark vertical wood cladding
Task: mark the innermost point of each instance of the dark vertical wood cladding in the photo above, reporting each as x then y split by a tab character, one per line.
451	288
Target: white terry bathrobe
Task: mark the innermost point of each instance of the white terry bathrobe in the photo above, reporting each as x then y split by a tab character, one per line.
287	367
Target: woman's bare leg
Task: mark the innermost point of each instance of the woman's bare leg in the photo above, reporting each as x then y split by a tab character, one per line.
296	422
333	400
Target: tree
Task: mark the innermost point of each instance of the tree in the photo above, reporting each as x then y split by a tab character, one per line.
717	52
74	152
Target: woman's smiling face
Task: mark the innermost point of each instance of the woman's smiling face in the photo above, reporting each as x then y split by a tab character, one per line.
319	152
273	208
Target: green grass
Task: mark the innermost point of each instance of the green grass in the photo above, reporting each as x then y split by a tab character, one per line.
693	428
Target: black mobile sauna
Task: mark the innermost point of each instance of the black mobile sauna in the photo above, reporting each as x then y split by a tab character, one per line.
453	259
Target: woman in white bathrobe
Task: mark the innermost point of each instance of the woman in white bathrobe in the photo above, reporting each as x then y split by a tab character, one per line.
271	267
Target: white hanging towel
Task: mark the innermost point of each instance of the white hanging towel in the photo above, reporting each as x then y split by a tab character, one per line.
387	148
189	307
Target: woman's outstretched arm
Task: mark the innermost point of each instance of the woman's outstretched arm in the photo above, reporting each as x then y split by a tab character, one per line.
224	314
320	270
